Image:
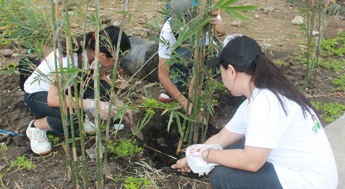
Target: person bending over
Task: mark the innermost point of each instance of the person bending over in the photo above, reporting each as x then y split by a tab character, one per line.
41	95
175	87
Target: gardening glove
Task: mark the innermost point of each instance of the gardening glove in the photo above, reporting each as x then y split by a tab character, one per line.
195	160
90	107
128	114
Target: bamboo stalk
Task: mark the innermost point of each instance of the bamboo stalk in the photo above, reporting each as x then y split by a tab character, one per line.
113	86
81	113
62	101
70	61
96	76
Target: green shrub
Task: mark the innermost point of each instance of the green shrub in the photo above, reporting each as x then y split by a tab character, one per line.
329	111
24	21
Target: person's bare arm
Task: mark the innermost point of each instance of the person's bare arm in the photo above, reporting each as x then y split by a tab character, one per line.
163	75
249	159
225	138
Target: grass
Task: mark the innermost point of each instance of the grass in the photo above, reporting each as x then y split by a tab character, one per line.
340	83
329	111
23	21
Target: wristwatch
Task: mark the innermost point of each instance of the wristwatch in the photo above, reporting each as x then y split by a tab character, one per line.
205	155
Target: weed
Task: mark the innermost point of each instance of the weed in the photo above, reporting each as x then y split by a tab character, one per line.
136	183
335	46
21	163
3	147
332	63
278	63
2	183
124	149
340	82
330	111
8	68
119	177
54	140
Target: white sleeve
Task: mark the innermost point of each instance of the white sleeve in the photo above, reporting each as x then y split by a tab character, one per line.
266	121
167	41
237	122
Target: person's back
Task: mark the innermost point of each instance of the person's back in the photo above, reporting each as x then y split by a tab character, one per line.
298	143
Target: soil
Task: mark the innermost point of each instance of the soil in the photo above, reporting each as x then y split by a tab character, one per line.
271	27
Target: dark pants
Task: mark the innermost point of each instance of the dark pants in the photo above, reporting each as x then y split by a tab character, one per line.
181	66
229	178
38	106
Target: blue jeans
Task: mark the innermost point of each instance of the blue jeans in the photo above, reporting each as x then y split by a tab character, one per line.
37	104
229	178
182	69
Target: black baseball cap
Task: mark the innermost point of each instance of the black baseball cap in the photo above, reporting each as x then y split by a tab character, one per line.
237	50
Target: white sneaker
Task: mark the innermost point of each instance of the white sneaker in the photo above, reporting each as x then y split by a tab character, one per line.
89	127
38	140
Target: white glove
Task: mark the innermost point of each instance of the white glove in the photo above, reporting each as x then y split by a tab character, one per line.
90	107
195	160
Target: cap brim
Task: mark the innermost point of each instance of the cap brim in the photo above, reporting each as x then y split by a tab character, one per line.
214	61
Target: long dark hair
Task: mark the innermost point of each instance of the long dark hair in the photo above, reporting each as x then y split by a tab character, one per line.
266	75
110	35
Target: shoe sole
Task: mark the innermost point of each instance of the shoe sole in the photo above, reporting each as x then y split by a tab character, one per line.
165	100
42	153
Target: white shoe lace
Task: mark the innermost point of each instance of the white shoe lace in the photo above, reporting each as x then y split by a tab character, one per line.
40	136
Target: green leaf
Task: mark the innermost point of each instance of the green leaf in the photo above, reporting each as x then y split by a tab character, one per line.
228	3
120	12
72	5
243	8
179	126
170	120
129	17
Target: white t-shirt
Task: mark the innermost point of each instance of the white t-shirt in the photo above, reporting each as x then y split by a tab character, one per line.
165	49
301	153
37	82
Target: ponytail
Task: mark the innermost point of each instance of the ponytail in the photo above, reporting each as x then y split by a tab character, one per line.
266	75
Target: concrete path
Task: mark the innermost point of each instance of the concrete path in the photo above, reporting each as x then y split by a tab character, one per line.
336	135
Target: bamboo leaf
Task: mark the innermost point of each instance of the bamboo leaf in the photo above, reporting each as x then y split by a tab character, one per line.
121	12
179	126
70	80
228	3
149	85
170	120
164	112
129	17
184	116
243	8
72	5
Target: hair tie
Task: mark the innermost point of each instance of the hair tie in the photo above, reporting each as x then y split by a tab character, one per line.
93	35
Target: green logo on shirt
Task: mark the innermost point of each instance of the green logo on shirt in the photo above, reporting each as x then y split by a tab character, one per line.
317	124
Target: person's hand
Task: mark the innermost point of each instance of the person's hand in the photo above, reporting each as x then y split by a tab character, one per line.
90	107
182	166
104	110
128	117
214	20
